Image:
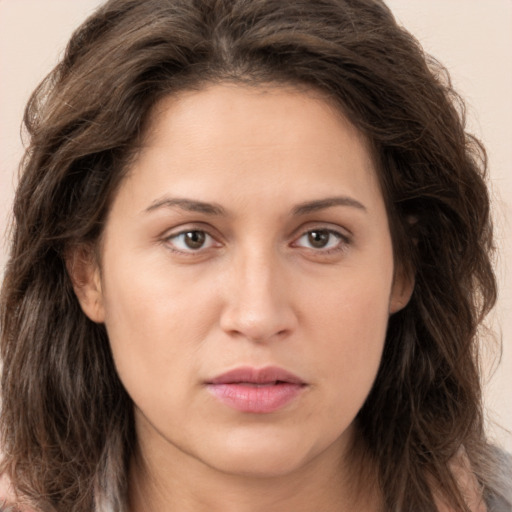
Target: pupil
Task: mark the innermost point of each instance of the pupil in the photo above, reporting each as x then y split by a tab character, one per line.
194	239
318	239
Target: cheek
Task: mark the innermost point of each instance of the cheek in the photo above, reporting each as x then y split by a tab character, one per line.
155	324
353	308
147	299
350	325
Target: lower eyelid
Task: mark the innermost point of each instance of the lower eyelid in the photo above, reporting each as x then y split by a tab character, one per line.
169	239
342	240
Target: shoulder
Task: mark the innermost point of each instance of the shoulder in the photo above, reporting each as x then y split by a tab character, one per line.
468	485
5	494
8	498
6	507
500	499
480	499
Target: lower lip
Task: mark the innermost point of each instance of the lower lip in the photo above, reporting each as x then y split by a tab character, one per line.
256	399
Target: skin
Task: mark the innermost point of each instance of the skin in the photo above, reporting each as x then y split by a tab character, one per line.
260	291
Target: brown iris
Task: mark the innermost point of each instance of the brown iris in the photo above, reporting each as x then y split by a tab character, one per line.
194	239
319	238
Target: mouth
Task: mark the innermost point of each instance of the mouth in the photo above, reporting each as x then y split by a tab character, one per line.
257	391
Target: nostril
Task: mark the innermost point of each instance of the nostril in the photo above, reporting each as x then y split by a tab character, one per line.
257	316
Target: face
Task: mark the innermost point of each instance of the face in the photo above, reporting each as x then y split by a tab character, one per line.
246	279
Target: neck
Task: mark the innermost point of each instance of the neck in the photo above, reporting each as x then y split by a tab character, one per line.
184	484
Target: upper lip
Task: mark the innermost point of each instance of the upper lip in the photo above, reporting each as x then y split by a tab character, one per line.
247	374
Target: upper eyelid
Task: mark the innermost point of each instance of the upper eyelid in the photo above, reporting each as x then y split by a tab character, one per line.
344	238
192	226
189	252
322	226
167	236
214	233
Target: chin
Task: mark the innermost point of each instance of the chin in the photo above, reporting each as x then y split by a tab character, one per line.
260	465
260	457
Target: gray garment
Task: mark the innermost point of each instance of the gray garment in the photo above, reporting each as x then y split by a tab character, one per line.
502	502
498	504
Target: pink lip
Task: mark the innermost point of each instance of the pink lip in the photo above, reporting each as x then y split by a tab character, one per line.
255	390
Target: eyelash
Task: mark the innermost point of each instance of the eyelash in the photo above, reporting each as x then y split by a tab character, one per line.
343	241
188	251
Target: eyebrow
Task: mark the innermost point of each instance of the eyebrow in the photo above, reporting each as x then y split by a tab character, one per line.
189	205
192	205
321	204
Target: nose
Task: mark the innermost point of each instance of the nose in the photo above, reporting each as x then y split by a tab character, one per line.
258	302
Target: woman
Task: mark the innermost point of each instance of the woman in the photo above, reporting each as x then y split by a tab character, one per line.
250	258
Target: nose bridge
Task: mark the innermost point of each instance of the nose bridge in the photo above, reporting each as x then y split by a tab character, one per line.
257	303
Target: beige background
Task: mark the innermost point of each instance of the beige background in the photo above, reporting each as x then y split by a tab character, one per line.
473	38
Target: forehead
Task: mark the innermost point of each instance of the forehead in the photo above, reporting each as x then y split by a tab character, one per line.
225	137
238	111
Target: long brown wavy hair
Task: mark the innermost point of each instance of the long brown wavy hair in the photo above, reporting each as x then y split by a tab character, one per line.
66	427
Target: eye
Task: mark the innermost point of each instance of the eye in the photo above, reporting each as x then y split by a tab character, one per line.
191	241
325	240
